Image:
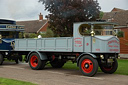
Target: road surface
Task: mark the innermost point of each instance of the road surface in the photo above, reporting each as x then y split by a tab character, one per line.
51	76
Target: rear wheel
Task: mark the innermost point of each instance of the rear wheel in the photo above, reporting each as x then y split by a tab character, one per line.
88	65
1	59
35	62
17	61
56	63
110	68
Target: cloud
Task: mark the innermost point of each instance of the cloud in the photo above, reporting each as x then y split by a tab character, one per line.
30	9
21	9
108	5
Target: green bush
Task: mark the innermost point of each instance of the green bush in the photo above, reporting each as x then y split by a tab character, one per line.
49	33
33	35
21	35
26	35
120	34
30	35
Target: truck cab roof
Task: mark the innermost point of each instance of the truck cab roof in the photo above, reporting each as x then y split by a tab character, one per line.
10	25
97	23
4	21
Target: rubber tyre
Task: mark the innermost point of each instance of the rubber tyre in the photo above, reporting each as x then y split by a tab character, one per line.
57	63
1	59
109	70
35	62
17	61
20	58
88	66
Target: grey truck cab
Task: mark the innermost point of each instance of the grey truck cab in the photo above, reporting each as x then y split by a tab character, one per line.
93	44
96	41
95	37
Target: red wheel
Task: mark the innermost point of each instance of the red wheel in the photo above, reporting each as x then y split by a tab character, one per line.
88	65
34	61
107	68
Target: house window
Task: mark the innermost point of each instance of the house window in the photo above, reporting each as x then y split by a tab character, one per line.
117	30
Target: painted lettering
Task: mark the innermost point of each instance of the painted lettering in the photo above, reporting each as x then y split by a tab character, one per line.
78	42
97	49
116	50
113	46
113	41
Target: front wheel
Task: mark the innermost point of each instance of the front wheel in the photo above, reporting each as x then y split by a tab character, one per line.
88	65
35	62
111	68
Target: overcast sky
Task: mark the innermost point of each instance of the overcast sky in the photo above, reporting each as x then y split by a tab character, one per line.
30	9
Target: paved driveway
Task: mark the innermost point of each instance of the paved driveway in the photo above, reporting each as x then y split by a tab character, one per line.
51	76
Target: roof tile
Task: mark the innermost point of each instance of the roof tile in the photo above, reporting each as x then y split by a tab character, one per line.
32	26
120	17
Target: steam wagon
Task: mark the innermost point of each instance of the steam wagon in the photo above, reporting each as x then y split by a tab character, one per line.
93	45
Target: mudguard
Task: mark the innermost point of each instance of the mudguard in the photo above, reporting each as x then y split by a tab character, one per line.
43	56
92	55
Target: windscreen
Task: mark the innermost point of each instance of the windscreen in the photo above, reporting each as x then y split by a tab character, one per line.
85	30
104	30
9	34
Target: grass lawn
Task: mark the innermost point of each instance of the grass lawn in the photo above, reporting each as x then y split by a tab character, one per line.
122	67
4	81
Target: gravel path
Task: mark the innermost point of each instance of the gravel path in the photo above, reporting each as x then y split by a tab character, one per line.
50	76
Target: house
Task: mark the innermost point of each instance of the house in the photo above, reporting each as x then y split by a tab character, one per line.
119	16
35	26
116	9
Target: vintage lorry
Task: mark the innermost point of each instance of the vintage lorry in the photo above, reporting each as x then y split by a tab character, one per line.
9	31
93	45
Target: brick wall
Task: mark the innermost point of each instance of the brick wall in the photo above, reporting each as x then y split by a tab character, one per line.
123	46
44	28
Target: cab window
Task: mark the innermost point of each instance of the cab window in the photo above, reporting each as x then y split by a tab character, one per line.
7	34
85	30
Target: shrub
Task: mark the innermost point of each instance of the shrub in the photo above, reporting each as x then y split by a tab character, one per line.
120	34
49	33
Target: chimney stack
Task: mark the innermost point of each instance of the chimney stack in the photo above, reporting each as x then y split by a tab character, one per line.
40	17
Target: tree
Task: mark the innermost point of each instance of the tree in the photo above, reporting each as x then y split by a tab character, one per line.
101	14
63	13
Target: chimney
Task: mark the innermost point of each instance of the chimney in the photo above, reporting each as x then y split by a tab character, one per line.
40	17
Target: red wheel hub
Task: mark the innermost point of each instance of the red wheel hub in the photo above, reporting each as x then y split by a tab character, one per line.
107	68
87	65
34	61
